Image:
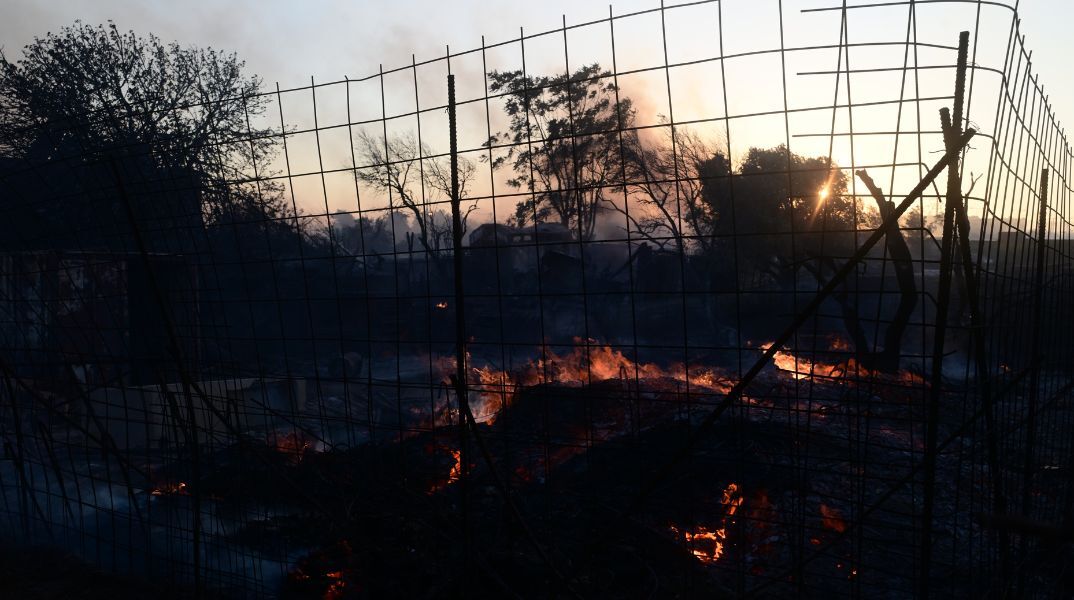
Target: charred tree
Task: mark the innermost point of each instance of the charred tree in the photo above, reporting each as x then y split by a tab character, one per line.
887	359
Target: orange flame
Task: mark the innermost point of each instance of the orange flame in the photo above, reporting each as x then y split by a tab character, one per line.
590	361
453	475
708	545
456	469
803	368
587	362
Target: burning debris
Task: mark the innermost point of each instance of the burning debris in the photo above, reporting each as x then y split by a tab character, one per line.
802	368
708	545
453	474
588	362
169	489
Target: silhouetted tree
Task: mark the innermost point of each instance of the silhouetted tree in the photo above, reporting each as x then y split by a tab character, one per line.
784	210
787	213
563	144
418	181
667	180
93	93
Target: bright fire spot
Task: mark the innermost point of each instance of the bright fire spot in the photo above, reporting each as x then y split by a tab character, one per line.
833	519
708	545
453	475
456	469
803	368
441	305
587	362
799	368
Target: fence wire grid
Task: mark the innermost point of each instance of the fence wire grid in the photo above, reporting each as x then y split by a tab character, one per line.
703	300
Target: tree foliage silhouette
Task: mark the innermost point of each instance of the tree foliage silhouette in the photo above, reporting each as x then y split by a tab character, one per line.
89	95
562	143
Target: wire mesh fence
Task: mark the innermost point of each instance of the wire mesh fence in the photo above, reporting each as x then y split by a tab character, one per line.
671	303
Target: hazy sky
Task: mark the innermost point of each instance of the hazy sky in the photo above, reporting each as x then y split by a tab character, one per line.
287	42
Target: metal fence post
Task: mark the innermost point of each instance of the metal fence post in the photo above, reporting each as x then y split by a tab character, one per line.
954	192
461	391
1035	340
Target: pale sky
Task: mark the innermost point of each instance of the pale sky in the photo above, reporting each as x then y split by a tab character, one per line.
288	42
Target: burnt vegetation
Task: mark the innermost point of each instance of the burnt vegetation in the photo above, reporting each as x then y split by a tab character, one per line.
685	371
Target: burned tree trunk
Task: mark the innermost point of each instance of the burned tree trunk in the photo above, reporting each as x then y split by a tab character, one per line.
888	358
848	309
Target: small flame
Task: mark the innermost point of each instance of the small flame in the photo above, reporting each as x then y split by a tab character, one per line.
453	475
456	469
442	304
708	545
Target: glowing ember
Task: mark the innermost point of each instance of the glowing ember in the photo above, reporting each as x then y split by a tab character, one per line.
292	445
838	344
833	519
171	489
335	589
442	305
327	573
708	545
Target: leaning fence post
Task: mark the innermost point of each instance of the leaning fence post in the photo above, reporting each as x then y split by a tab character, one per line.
954	192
